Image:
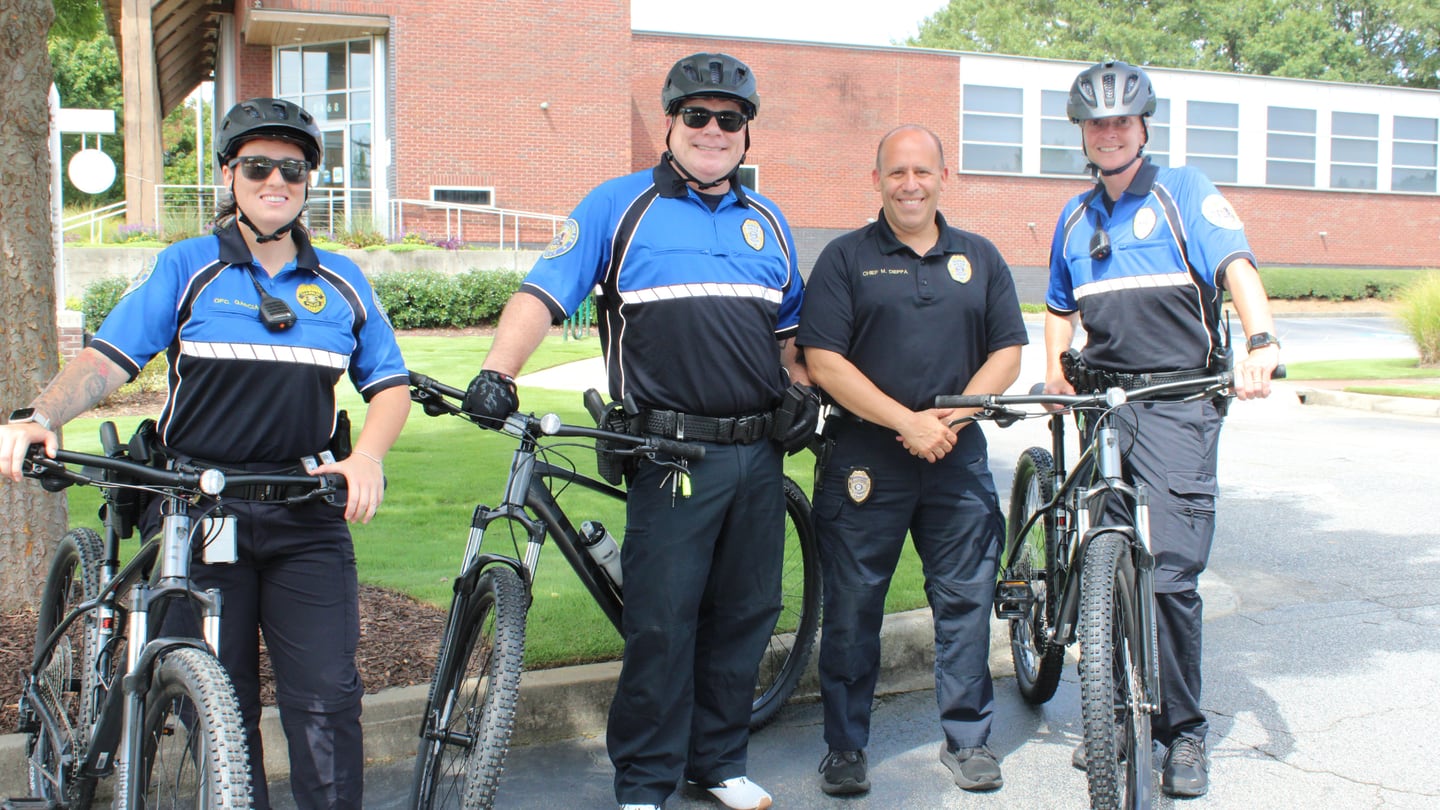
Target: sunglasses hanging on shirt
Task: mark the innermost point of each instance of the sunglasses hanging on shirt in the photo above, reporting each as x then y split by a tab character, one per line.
274	313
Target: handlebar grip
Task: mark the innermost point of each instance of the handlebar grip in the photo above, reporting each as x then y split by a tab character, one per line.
962	401
685	450
1278	373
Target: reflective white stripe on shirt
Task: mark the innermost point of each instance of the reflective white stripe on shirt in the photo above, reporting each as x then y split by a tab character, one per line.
1133	283
260	351
701	290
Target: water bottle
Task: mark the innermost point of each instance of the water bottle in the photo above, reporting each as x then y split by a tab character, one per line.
602	547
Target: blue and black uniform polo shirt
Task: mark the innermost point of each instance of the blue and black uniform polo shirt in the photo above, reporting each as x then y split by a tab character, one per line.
239	392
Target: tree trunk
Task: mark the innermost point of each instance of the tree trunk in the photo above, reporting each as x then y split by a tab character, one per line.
31	520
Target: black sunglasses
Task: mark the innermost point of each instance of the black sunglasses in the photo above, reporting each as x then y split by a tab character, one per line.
259	167
699	117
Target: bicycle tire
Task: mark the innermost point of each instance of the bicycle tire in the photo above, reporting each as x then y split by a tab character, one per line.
470	712
1038	661
1117	731
192	747
793	638
66	684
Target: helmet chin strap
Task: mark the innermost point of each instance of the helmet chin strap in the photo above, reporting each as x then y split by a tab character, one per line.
280	232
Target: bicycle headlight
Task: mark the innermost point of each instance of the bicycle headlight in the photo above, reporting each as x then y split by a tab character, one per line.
550	424
212	482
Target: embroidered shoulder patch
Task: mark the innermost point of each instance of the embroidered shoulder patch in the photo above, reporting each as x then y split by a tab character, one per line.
565	239
1217	212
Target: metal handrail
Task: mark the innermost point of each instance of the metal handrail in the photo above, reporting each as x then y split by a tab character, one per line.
93	219
455	214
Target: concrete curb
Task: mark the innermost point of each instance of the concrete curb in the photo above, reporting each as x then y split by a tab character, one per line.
1404	406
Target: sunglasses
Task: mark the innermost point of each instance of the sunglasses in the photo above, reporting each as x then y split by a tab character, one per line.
259	168
699	117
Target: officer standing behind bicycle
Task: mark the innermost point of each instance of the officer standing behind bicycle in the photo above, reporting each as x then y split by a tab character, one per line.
698	294
258	327
897	313
1141	261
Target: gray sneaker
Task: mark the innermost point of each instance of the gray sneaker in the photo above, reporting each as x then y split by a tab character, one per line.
974	769
842	773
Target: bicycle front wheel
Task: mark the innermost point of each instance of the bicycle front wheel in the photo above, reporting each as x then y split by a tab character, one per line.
794	636
471	711
1112	693
192	748
1038	661
65	687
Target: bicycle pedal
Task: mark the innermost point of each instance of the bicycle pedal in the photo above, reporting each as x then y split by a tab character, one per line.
1013	599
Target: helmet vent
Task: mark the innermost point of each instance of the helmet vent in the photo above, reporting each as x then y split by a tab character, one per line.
1132	83
1108	83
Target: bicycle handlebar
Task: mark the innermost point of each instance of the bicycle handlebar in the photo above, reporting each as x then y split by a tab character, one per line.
206	480
1194	387
436	397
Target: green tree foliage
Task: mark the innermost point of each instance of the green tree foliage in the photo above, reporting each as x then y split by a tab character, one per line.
1372	41
177	133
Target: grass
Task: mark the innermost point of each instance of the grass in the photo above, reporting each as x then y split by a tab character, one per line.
1396	368
438	471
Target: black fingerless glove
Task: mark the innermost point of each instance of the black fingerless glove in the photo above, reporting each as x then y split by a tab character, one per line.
796	418
492	396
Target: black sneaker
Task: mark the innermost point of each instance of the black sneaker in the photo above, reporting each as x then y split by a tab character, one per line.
973	768
1187	768
843	773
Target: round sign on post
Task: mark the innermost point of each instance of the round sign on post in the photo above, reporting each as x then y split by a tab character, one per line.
91	170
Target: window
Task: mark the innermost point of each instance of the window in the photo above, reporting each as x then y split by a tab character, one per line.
1414	154
1213	136
991	129
1158	147
1290	147
1354	150
463	195
750	176
1060	141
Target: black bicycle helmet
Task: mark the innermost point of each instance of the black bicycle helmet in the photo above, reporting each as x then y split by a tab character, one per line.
267	118
1110	89
710	74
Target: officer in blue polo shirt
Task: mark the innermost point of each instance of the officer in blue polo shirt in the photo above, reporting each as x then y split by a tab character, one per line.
1141	261
258	327
897	313
698	290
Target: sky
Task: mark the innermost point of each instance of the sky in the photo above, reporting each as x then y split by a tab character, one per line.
849	22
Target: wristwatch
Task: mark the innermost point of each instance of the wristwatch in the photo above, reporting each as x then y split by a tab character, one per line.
30	415
1260	340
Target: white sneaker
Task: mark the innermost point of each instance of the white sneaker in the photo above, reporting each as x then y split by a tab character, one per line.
639	807
739	793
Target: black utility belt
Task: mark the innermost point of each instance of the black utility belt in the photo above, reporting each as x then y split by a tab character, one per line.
1128	380
717	429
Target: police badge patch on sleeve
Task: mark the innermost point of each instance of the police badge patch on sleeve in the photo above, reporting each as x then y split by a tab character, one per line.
1217	212
568	235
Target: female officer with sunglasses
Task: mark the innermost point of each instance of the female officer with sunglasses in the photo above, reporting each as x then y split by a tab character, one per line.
257	328
699	295
1141	261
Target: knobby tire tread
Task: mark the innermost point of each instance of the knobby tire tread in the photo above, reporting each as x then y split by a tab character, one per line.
1038	661
211	718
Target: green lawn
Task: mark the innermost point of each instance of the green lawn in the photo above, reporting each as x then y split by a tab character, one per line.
1393	370
443	466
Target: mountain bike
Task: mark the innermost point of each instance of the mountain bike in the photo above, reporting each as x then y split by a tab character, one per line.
1065	573
470	712
107	693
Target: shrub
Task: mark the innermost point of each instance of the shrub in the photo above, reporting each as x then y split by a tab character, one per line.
484	293
428	299
1420	313
131	234
100	298
1334	284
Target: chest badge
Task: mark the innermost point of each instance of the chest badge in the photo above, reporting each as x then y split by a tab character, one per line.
959	267
858	485
311	297
1144	223
565	239
753	233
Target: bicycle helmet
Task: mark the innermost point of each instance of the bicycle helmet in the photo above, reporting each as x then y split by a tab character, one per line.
1110	89
710	74
267	118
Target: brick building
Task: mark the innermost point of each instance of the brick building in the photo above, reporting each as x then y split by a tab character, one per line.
526	104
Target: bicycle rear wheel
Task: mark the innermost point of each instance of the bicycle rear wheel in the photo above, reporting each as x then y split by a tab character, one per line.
65	687
1038	661
799	620
1112	695
192	751
471	709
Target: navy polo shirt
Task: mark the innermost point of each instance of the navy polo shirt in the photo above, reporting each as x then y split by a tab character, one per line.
916	326
692	301
1145	308
240	393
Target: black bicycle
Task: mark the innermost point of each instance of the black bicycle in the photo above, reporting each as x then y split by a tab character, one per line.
107	694
470	713
1065	573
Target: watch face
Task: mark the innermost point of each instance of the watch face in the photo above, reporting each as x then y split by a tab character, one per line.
22	415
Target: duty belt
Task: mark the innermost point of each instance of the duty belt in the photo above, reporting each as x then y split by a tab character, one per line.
720	430
265	492
1127	380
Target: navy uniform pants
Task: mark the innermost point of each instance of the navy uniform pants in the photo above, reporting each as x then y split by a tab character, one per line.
295	582
871	492
1175	453
702	593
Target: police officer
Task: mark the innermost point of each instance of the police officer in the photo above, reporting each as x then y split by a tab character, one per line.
896	313
698	294
1141	261
257	327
